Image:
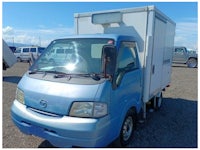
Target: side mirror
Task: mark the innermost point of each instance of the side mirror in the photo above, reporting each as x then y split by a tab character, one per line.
109	59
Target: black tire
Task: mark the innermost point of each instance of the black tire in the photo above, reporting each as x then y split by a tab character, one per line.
19	59
192	63
4	66
127	130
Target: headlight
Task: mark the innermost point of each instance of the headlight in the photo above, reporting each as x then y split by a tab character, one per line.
19	96
88	109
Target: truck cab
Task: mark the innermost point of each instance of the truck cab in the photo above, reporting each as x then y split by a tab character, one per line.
76	101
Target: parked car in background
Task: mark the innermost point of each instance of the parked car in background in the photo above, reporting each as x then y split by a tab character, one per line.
182	55
23	53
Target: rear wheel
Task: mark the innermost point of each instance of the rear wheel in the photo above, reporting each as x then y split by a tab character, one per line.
192	63
155	102
159	101
19	59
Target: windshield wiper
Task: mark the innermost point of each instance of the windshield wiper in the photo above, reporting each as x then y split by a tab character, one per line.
59	74
62	75
94	76
36	71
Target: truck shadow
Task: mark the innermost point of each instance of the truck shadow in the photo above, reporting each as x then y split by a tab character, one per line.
12	79
174	125
46	144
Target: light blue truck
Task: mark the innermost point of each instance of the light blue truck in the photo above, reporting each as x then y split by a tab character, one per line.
91	94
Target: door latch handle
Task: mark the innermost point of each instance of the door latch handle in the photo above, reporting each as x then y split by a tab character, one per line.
153	69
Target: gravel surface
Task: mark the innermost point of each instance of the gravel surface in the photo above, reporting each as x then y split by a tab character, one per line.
174	125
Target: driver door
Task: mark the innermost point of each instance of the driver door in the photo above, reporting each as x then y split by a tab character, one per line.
127	92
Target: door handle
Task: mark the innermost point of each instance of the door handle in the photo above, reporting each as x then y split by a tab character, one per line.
153	69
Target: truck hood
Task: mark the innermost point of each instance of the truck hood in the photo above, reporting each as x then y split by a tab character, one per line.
54	97
193	55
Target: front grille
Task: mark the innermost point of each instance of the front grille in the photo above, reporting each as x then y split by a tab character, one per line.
43	112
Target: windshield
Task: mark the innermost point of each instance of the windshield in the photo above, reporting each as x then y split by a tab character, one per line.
72	56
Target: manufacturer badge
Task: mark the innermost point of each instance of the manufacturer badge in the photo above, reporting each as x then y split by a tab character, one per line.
43	103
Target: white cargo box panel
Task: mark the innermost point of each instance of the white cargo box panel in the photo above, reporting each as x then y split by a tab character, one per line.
8	56
153	31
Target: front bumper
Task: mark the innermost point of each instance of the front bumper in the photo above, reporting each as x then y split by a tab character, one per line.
62	131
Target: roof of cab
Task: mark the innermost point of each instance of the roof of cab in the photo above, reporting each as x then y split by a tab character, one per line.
110	36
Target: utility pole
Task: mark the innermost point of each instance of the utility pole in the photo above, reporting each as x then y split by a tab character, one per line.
13	39
39	41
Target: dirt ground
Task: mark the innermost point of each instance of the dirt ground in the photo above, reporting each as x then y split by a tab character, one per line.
174	125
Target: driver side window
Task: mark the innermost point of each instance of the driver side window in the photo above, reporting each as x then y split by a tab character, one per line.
127	58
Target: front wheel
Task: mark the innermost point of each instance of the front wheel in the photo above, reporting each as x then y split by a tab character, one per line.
192	63
127	130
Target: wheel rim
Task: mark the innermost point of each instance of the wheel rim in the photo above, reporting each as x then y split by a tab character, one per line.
192	63
127	128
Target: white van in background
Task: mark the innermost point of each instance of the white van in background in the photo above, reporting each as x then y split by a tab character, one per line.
23	53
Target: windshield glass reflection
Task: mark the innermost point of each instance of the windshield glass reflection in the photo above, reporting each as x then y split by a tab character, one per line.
72	56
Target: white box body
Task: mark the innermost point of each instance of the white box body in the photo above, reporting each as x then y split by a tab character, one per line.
154	32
